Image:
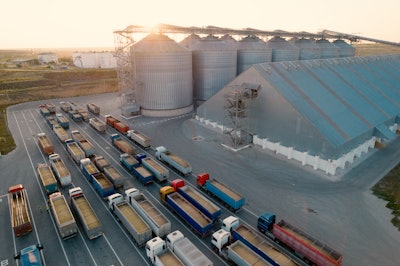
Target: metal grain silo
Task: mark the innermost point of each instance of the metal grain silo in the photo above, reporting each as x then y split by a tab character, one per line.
346	49
328	49
190	40
229	40
162	72
214	66
252	50
308	48
282	50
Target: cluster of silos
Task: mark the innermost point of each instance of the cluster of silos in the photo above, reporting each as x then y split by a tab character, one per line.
162	74
308	49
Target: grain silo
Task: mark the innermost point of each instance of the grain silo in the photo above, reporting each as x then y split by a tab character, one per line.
251	50
308	48
214	65
190	40
328	49
282	50
346	49
162	71
229	40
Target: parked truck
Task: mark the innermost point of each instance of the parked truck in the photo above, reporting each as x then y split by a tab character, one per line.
134	224
65	107
86	215
62	120
186	251
111	120
30	256
144	175
139	138
97	124
255	241
93	108
116	178
128	161
60	132
74	115
236	252
176	162
299	242
77	136
51	121
20	217
87	147
47	178
88	168
45	144
157	221
61	172
202	203
51	107
100	162
121	127
43	110
74	150
158	171
222	192
121	144
65	221
84	114
187	211
161	255
102	185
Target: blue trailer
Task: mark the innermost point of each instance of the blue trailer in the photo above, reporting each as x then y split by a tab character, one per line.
88	168
62	120
102	185
144	175
187	211
229	197
128	161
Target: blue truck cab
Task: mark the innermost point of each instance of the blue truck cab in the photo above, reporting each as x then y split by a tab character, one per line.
30	256
266	222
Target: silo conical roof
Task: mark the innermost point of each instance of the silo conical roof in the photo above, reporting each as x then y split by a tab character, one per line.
190	40
328	49
252	50
346	49
282	50
308	48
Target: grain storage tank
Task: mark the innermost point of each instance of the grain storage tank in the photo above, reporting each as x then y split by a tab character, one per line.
308	48
328	49
252	50
346	49
282	50
190	40
162	72
229	40
214	66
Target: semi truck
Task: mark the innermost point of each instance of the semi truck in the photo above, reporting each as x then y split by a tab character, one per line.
65	106
30	256
97	124
232	199
187	211
60	132
77	136
186	251
65	221
158	171
121	144
74	115
116	178
236	252
62	120
100	162
126	214
301	243
51	121
87	147
86	215
121	127
102	185
61	172
202	203
176	162
93	108
139	138
74	150
128	161
43	110
51	107
47	178
255	241
111	120
20	217
161	255
45	144
157	221
84	114
88	168
144	175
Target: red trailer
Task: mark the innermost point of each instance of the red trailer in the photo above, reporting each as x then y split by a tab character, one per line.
121	127
110	120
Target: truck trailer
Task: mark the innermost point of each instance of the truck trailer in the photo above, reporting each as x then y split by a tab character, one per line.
134	224
100	162
176	162
87	147
65	107
20	217
65	221
116	178
88	168
159	172
49	182
102	185
60	132
93	108
139	138
75	150
45	144
86	215
128	161
121	144
97	124
160	225
144	175
62	120
61	172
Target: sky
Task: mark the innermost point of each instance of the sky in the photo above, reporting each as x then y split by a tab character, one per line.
90	23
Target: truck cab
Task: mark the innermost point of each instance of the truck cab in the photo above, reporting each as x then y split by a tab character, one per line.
130	193
114	199
164	191
230	223
220	240
30	256
266	222
173	237
154	247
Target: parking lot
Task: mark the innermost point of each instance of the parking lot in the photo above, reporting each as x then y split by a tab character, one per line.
342	213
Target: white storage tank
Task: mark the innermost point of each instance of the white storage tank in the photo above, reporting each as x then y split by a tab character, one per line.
190	40
252	50
214	66
328	49
282	50
308	48
346	50
162	72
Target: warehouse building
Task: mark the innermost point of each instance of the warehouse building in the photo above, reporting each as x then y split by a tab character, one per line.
94	60
323	113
